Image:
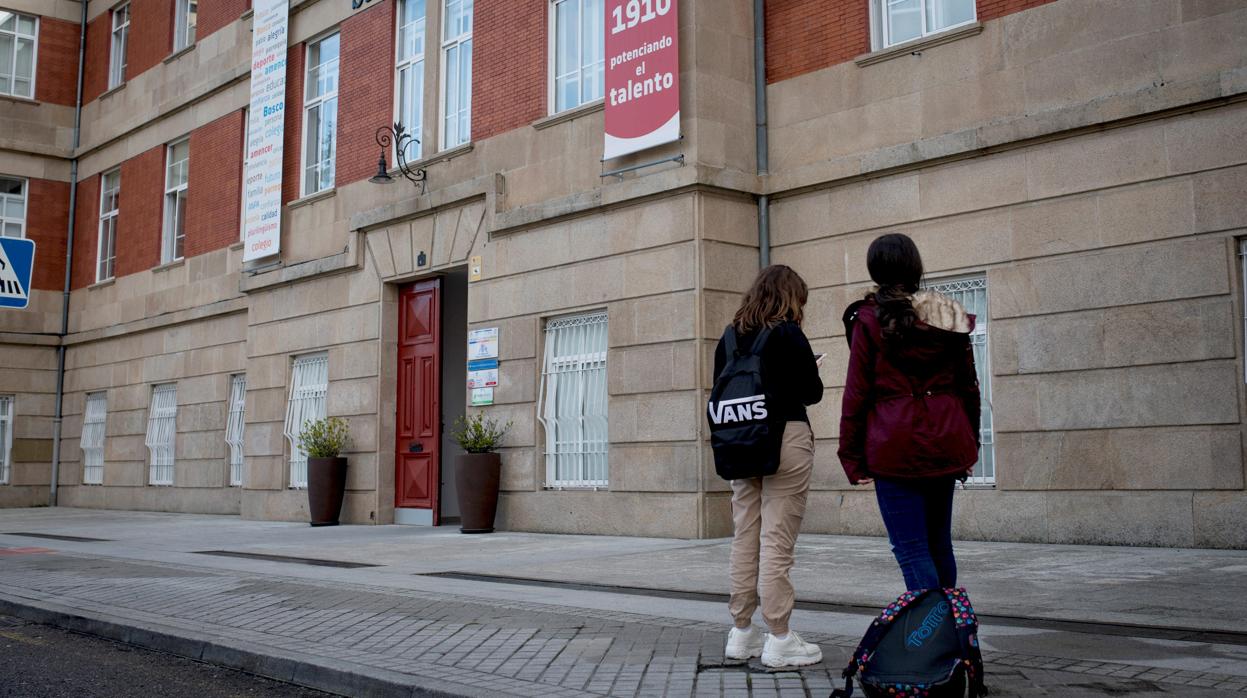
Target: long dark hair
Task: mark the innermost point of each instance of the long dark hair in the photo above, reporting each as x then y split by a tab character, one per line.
894	264
777	294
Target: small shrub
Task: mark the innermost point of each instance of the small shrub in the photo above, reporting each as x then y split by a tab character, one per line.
478	433
324	438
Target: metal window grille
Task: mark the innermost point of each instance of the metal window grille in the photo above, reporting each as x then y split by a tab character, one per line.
93	428
234	427
578	52
898	21
6	437
177	177
106	249
162	432
409	65
308	386
572	404
456	86
320	114
121	38
18	46
184	29
12	207
971	292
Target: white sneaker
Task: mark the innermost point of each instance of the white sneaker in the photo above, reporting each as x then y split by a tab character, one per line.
744	644
793	651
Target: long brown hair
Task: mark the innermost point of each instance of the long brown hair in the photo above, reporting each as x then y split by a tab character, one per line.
778	294
894	264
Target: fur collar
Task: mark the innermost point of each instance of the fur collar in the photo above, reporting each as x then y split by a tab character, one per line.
938	310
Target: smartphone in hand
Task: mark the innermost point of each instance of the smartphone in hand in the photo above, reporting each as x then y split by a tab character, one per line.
818	358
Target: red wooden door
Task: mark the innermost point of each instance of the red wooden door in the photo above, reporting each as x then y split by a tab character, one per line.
419	420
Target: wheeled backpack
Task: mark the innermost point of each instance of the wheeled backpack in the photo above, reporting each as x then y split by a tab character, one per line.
925	644
742	437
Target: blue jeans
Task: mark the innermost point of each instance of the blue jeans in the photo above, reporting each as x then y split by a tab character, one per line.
919	518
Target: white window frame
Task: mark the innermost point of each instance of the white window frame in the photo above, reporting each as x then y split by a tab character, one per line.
174	231
34	52
309	386
235	425
880	22
8	408
322	103
106	238
573	402
553	55
415	64
971	292
162	421
118	49
186	17
94	430
463	114
6	199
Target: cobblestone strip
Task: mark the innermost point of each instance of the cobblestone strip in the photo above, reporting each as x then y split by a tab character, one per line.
511	648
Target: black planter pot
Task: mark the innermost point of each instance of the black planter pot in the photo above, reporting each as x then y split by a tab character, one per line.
326	484
477	478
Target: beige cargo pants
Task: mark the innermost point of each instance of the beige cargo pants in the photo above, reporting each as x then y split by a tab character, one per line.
767	513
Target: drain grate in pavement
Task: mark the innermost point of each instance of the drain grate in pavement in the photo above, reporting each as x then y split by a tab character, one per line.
56	536
316	562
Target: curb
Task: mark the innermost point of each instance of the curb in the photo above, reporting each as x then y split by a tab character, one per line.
341	678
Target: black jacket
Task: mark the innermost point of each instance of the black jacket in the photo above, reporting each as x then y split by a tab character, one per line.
788	371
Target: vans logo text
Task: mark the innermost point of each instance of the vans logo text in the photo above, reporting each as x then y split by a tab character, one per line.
744	409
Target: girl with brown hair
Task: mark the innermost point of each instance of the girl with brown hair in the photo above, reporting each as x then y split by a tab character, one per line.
767	510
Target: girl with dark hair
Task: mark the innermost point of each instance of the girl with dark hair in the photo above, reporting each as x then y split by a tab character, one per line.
767	511
910	415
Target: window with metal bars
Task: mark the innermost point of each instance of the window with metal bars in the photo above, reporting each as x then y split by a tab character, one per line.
6	437
308	386
573	399
162	433
971	292
93	428
234	426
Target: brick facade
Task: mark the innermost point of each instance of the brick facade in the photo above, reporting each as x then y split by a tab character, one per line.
47	219
508	66
56	78
215	185
216	14
151	35
291	158
86	232
991	9
95	63
365	91
141	215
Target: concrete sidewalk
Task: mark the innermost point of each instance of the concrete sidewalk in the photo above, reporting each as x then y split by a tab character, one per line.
526	614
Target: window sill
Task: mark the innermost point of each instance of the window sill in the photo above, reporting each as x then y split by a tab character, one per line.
448	154
236	246
313	198
19	100
112	91
102	284
169	265
179	53
248	14
920	44
570	114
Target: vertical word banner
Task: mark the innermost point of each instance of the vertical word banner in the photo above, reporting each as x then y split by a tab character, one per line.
262	180
642	75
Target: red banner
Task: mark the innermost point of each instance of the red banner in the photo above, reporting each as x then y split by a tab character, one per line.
642	75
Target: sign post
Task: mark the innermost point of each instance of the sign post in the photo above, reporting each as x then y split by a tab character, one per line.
17	264
642	75
262	180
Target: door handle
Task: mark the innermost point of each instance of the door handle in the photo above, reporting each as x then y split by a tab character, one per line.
415	447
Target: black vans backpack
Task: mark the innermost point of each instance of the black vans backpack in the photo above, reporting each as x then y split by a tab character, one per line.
925	644
741	434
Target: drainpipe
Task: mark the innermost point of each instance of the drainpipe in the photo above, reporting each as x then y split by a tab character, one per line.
69	268
759	108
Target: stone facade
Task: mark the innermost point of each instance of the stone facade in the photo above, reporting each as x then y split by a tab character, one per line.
1085	157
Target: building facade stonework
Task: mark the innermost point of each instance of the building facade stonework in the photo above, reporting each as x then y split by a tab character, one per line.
1074	170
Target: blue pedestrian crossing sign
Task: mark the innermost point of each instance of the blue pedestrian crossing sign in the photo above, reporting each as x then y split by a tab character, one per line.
17	261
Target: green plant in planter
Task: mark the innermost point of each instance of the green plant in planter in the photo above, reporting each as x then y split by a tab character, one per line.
478	433
324	438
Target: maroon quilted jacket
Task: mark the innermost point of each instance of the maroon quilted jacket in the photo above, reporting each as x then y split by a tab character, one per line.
910	411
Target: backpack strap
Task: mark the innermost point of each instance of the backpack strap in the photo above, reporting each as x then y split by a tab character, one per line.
760	342
874	634
968	635
729	342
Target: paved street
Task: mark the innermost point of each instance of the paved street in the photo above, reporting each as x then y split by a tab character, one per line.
384	629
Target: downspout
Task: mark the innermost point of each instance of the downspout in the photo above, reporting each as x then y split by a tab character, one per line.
69	267
759	108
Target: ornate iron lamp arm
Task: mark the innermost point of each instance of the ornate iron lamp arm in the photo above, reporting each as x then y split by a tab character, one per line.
397	136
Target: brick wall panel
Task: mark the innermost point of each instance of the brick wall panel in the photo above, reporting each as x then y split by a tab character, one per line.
47	219
56	74
291	155
992	9
151	35
216	14
95	62
214	189
86	232
140	217
365	92
508	65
